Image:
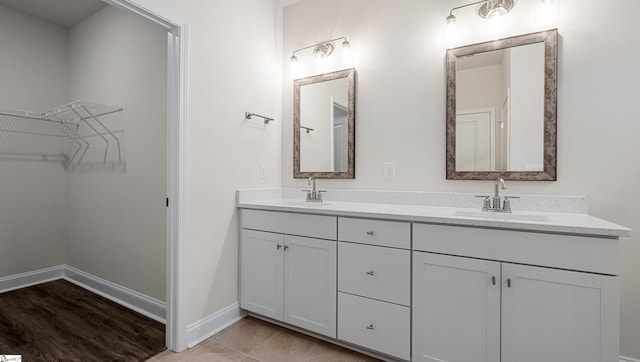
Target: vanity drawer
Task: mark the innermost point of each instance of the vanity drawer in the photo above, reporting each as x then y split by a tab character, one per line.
375	232
572	252
314	226
375	272
379	326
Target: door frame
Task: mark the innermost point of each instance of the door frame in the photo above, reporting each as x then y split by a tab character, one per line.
177	137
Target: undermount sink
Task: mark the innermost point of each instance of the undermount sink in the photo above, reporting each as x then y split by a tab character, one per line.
305	203
499	215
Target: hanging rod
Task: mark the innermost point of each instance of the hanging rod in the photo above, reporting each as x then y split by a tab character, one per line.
307	129
248	115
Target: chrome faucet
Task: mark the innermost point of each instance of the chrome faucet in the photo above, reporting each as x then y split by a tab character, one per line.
496	193
313	195
498	203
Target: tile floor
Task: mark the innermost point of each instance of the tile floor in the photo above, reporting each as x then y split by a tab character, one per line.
251	340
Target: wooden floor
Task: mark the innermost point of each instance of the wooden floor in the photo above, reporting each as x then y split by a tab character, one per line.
59	321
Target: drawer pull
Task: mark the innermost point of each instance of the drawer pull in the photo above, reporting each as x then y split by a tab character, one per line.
370	233
370	326
370	272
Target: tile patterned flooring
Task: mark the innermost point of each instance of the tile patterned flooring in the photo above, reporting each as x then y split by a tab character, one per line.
253	340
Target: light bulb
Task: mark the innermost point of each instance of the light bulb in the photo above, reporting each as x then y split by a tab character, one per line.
451	21
496	12
451	30
296	67
346	52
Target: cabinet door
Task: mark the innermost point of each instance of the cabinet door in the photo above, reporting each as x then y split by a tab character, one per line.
261	271
558	315
456	309
310	284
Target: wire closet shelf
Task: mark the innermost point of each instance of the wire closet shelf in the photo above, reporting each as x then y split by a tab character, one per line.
80	135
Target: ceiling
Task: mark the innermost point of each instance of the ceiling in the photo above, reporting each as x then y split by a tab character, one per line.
64	13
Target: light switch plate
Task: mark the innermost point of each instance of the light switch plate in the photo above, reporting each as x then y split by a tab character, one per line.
389	170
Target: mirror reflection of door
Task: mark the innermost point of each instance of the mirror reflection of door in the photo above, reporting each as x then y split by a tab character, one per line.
340	137
510	81
323	108
475	133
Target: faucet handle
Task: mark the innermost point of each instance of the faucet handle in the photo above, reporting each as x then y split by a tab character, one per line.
506	204
487	202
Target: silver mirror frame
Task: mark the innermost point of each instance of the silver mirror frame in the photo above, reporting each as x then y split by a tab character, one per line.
350	75
550	40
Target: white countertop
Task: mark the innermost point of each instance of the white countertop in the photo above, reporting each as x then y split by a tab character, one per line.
562	223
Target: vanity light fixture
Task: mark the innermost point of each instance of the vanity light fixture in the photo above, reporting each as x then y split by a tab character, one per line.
323	49
490	9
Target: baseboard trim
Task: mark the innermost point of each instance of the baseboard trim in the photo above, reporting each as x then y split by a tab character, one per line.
628	359
22	280
214	323
129	298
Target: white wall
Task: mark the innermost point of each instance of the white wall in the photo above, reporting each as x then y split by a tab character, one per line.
527	107
479	88
234	61
399	55
33	195
117	220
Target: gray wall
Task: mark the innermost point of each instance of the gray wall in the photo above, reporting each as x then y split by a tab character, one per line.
33	196
117	220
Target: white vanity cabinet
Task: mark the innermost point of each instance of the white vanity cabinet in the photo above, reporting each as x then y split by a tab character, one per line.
374	285
290	278
469	308
423	284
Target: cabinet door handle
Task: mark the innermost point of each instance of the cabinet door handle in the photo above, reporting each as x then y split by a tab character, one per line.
370	272
370	326
370	233
508	282
286	247
493	280
278	246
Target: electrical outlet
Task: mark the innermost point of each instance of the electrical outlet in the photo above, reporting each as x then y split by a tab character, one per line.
389	170
263	170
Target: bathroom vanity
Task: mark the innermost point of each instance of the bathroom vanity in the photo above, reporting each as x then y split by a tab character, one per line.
434	283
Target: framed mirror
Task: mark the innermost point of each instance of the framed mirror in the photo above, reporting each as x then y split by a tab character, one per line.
324	125
501	109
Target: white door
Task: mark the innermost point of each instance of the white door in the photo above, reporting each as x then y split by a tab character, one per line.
475	150
310	289
558	315
261	273
456	309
